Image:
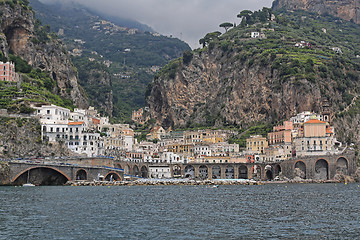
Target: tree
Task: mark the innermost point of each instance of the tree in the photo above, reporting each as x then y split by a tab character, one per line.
210	37
202	42
226	25
246	16
245	13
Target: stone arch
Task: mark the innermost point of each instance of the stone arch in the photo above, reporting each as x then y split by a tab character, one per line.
144	172
115	176
342	166
176	169
203	172
136	171
127	169
189	171
256	172
47	176
81	174
229	172
277	170
269	172
243	172
216	172
321	170
300	169
118	165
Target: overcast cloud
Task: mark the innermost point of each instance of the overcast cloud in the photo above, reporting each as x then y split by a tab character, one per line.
188	20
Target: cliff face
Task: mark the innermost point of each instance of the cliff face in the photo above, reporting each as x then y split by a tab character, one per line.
215	89
98	83
19	37
236	79
345	9
21	137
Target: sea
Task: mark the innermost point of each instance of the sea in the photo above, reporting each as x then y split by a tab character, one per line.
271	211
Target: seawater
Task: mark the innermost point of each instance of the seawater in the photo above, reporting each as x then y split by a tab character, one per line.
286	211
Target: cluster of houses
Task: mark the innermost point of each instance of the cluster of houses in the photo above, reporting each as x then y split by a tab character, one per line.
306	134
85	132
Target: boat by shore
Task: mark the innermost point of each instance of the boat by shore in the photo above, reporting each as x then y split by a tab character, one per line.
28	185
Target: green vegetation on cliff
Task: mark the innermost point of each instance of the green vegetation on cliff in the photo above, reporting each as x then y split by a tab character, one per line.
34	86
296	61
113	49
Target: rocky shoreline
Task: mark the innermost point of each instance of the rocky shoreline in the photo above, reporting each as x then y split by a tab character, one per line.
185	182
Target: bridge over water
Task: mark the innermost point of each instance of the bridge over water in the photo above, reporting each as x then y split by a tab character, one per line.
59	171
316	167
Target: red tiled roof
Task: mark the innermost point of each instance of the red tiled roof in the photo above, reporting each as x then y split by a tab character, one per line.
76	123
329	131
315	121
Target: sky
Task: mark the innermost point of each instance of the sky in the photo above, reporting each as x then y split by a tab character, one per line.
188	20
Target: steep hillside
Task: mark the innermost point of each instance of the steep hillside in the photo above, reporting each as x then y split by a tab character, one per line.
345	9
22	36
115	61
21	137
299	61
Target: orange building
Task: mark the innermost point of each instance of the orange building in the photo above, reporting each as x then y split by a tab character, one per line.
281	133
314	128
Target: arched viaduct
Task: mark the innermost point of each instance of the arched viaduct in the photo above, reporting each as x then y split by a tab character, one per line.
58	174
319	167
259	171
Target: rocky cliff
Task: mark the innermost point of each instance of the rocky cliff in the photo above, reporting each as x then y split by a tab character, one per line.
215	89
236	79
21	35
21	137
345	9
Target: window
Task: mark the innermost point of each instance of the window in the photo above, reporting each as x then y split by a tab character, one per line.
48	111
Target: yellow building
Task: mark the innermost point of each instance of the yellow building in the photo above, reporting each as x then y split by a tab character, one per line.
206	136
187	149
256	144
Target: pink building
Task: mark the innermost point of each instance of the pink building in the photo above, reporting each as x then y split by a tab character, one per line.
281	133
7	72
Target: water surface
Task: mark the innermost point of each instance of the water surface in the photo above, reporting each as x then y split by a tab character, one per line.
297	211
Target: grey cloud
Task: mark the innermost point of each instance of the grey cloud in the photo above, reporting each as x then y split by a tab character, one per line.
189	20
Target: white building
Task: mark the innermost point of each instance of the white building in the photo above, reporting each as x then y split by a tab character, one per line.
173	158
224	148
76	137
315	146
255	34
305	116
161	171
202	150
52	112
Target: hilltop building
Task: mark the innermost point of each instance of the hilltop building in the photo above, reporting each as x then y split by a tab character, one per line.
7	72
